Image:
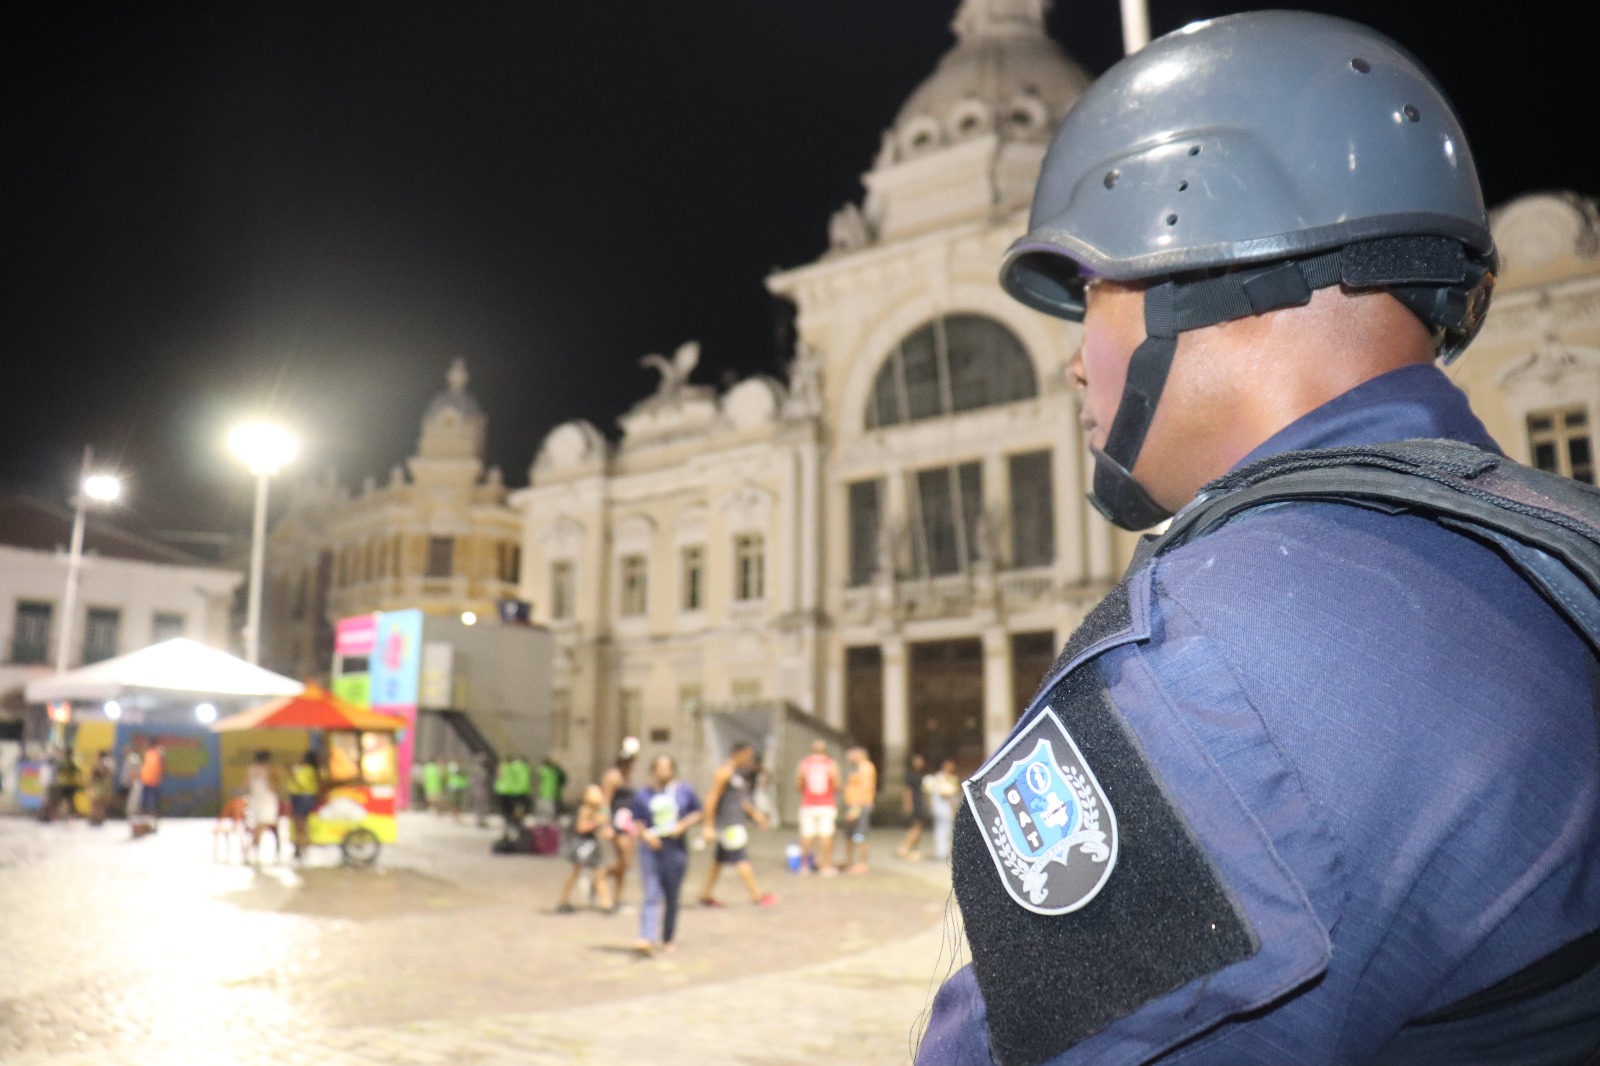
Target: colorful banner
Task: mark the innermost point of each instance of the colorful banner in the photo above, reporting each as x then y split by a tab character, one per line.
355	636
397	659
30	785
396	679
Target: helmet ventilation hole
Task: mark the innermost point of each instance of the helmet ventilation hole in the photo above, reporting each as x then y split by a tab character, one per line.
1183	186
1111	178
1172	220
1194	149
1360	66
1412	113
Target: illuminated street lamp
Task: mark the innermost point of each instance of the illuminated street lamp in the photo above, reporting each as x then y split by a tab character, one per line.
93	487
265	449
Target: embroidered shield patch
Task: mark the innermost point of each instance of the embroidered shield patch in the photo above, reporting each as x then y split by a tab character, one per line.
1049	827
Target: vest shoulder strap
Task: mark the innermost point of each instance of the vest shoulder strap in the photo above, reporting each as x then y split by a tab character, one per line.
1547	526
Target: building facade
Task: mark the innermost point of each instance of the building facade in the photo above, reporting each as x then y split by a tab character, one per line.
438	536
896	538
132	592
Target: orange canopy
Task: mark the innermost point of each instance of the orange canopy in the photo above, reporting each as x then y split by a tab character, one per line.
315	708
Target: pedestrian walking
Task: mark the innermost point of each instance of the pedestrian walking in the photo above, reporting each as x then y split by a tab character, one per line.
263	790
591	828
128	780
305	785
818	781
914	802
102	776
616	784
665	810
480	768
66	781
732	812
860	794
941	790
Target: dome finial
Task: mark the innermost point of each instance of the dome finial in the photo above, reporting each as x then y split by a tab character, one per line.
457	375
983	18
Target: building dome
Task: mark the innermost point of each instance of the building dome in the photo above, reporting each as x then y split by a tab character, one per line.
1005	75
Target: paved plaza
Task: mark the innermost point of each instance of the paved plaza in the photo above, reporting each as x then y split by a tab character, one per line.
155	952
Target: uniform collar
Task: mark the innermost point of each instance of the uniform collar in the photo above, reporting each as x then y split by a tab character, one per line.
1410	403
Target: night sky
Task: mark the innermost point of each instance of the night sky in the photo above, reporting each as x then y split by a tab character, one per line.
216	209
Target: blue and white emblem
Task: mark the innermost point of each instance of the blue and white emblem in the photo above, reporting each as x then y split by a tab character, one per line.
1049	827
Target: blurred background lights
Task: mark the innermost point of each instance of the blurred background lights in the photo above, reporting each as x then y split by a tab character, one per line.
206	712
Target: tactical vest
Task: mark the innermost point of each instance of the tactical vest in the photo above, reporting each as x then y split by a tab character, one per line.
1051	984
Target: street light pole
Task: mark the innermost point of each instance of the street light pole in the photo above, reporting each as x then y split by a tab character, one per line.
258	559
1135	25
102	488
264	448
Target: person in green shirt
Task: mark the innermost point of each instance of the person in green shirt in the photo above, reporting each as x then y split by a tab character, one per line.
456	782
513	787
552	783
433	785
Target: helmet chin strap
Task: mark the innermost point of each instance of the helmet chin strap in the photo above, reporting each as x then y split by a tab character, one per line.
1116	494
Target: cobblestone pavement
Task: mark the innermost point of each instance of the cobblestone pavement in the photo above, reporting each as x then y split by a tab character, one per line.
156	952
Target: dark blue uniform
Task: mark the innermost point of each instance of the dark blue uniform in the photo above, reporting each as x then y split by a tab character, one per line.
1385	743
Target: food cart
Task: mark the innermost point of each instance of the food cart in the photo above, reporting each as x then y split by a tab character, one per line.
356	802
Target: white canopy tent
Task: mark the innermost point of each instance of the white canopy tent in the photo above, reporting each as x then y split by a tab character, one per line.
180	667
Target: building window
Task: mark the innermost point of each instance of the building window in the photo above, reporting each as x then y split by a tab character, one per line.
302	590
100	634
510	562
394	555
749	566
693	563
866	526
631	708
635	587
30	641
380	565
561	589
950	365
166	626
1559	441
441	556
947	503
560	719
1033	524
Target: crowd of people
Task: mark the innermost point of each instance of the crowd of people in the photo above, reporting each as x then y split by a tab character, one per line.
130	789
621	825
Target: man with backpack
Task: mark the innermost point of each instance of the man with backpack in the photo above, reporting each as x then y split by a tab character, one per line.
1319	781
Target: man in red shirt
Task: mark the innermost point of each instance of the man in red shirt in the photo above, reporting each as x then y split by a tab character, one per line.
818	779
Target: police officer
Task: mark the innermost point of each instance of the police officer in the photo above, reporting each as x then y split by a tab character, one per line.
1322	785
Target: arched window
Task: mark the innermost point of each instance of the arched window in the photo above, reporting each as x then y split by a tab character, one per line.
952	364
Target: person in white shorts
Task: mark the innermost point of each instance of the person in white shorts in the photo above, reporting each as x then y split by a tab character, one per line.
818	780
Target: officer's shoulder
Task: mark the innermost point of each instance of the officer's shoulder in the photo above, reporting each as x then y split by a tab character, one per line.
1336	560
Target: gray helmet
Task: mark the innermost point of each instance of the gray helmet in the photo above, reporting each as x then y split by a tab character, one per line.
1287	151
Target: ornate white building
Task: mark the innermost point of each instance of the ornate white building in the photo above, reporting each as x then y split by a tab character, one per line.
438	536
895	539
